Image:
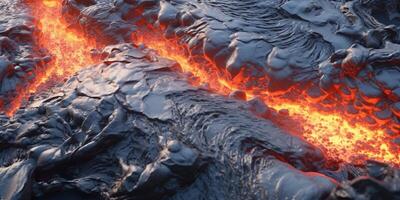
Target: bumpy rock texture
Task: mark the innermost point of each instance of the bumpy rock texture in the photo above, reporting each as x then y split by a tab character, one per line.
336	52
18	56
147	134
133	128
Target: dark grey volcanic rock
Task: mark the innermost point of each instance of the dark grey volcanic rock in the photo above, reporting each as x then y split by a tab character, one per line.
331	49
324	47
147	137
16	180
381	184
18	56
148	134
133	128
103	20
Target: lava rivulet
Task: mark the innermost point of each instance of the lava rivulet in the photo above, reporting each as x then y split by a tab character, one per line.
70	51
336	134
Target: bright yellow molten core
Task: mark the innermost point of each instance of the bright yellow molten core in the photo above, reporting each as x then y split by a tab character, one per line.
50	3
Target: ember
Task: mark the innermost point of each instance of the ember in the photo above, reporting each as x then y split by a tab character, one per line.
70	51
336	134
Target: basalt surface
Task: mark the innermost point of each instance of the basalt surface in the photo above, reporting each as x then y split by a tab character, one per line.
19	57
102	135
133	127
335	52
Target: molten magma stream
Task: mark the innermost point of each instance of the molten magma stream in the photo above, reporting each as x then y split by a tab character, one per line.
70	51
335	134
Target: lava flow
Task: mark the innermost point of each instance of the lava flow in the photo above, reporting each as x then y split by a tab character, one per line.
333	132
340	139
70	51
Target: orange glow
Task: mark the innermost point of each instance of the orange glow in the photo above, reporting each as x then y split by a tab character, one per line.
51	3
340	138
338	135
70	51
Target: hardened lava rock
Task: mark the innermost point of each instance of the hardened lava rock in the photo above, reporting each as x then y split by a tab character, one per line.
338	52
342	53
132	128
103	20
382	183
18	56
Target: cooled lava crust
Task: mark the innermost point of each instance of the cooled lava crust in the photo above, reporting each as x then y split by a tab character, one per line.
185	99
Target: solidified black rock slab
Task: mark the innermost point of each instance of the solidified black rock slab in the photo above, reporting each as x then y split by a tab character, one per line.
330	49
18	55
154	136
146	136
133	128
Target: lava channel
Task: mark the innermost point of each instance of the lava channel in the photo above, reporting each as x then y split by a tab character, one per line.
337	135
333	132
70	51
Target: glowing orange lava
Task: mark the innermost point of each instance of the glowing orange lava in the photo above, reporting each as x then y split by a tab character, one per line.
336	134
70	51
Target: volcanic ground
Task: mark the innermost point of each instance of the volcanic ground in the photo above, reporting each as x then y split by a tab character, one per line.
199	99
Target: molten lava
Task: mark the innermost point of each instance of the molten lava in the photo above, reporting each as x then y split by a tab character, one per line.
70	51
336	134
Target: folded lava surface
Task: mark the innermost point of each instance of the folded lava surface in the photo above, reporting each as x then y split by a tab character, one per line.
156	99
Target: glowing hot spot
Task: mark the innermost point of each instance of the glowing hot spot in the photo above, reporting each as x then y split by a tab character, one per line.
50	3
70	51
